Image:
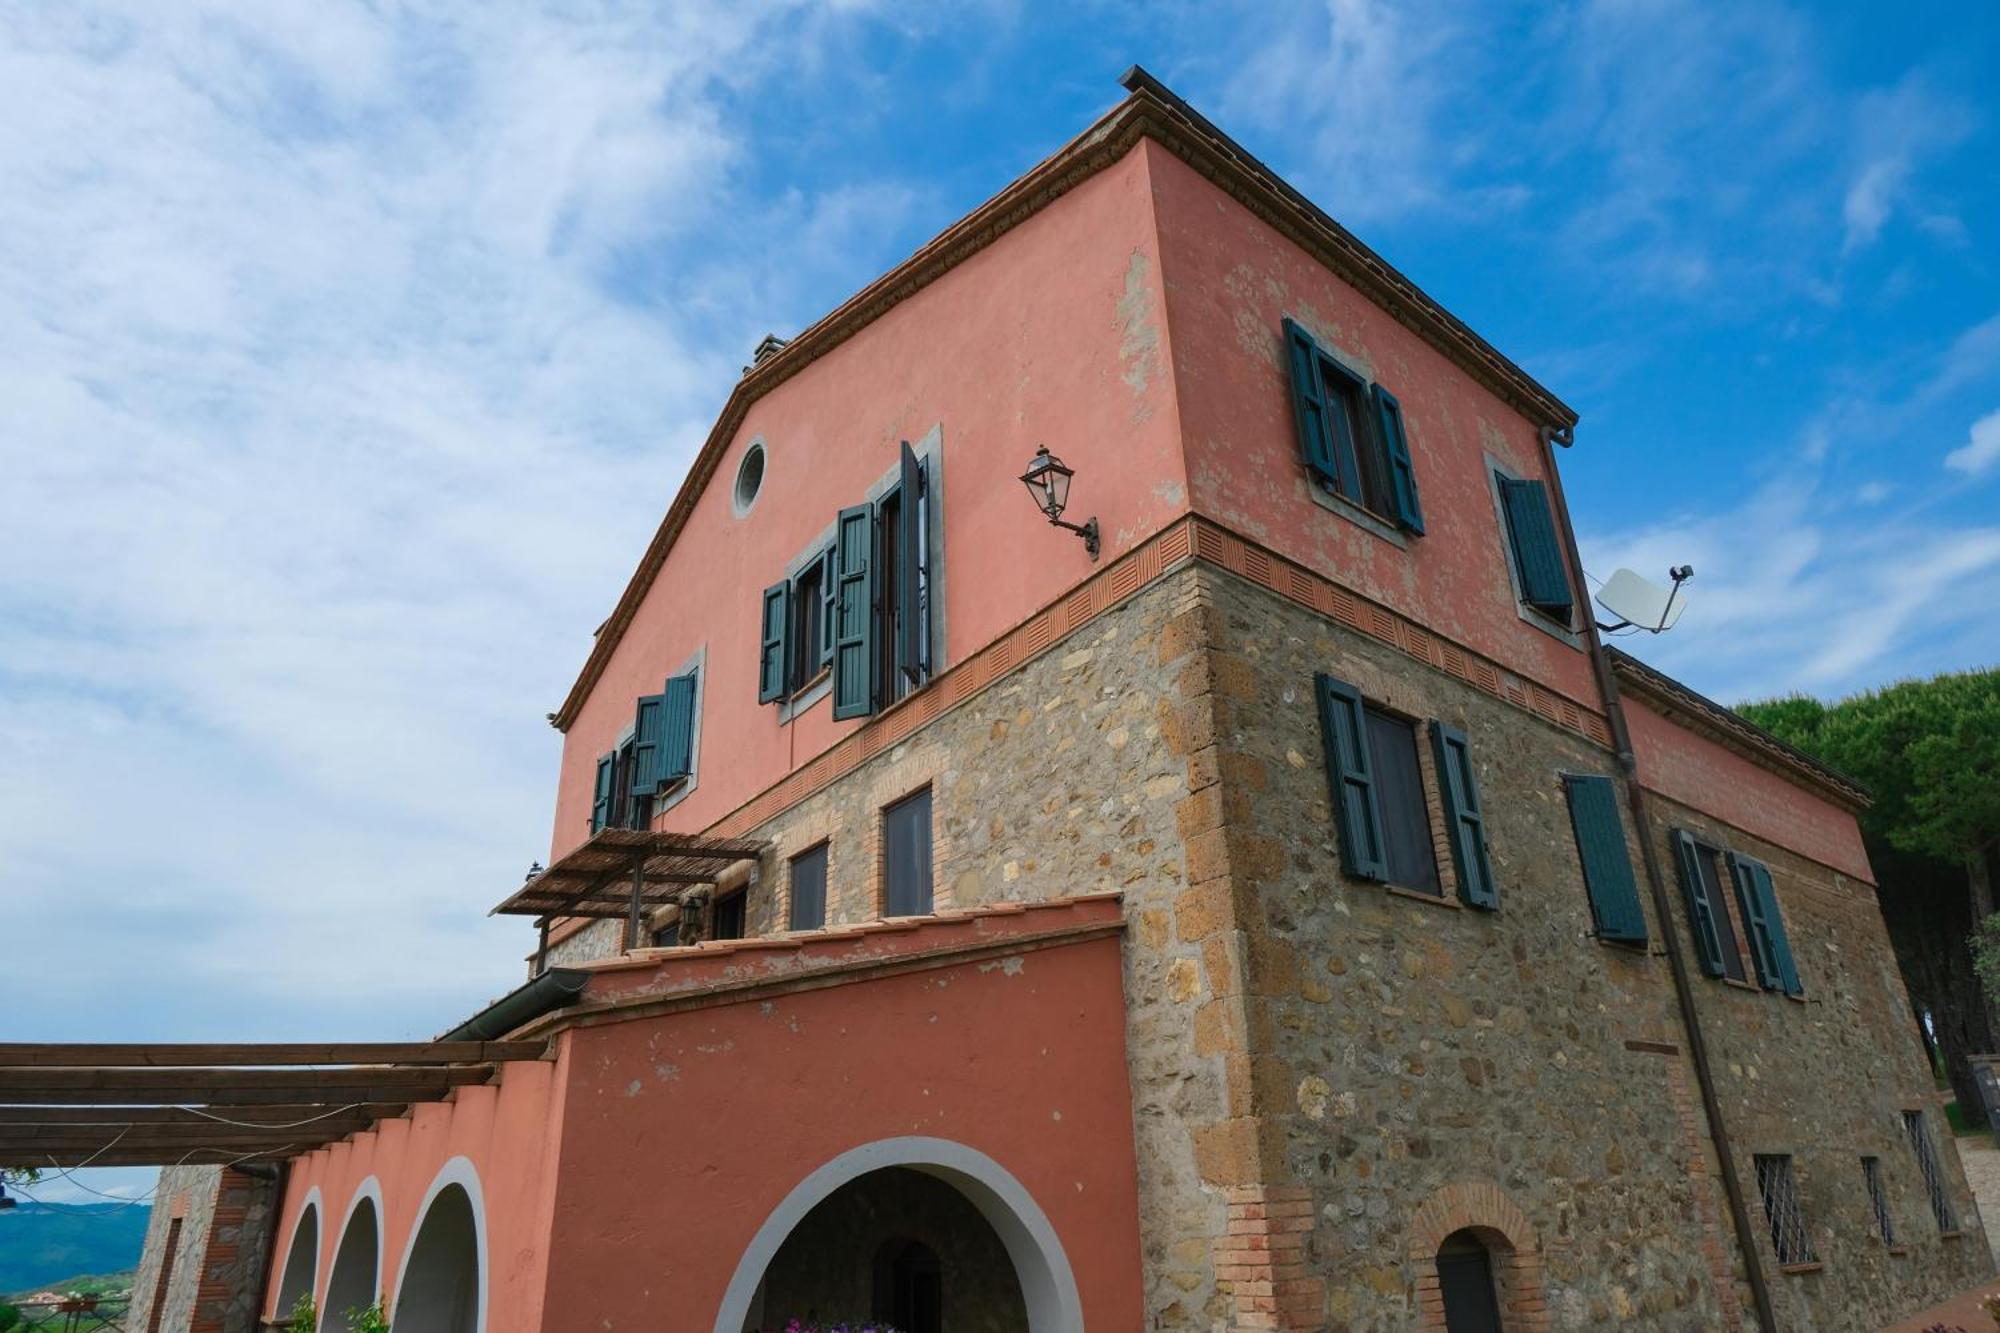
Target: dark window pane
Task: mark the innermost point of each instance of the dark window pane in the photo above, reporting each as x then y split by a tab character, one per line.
729	916
1725	928
906	856
808	603
1465	1284
1406	820
889	683
809	889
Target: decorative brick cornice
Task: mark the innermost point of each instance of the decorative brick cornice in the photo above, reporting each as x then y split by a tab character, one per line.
1165	120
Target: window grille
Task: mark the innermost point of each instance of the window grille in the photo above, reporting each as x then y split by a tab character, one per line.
1780	1188
1927	1162
1878	1199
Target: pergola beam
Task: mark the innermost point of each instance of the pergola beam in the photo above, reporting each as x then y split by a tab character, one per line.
114	1087
168	1055
13	1117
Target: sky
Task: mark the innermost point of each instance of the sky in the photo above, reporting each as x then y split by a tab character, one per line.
349	356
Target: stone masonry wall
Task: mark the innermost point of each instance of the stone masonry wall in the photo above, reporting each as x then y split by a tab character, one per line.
218	1273
1417	1066
1825	1079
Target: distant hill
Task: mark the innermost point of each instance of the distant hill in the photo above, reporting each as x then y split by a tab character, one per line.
41	1243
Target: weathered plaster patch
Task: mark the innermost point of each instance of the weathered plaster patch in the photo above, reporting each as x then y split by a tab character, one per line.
1138	321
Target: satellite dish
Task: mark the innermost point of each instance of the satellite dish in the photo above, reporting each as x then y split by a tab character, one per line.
1640	603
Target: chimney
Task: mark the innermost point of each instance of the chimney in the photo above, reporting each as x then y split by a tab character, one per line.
768	348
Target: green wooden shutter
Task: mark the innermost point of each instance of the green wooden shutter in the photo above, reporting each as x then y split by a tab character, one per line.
1769	947
1607	865
827	590
646	721
1465	823
600	805
1538	553
1701	908
677	729
1351	778
1396	448
1309	405
911	641
771	656
853	612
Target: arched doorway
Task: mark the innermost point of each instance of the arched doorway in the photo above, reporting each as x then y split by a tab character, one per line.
936	1225
300	1274
440	1290
1466	1282
356	1280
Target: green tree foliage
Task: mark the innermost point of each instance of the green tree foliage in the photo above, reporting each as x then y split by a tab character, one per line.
10	1317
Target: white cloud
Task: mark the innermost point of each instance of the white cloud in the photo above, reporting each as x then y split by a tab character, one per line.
1979	452
350	358
1896	130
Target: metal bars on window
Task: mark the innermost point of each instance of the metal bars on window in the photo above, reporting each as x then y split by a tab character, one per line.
1780	1188
1878	1199
1927	1162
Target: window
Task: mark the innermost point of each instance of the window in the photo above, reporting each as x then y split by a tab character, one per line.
1380	807
1708	910
1780	1188
1466	1286
1539	564
1408	856
667	936
811	641
1351	433
1607	866
749	478
809	889
1878	1200
1927	1162
728	914
1764	926
906	856
655	758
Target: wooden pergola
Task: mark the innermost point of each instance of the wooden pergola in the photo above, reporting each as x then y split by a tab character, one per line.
622	873
208	1104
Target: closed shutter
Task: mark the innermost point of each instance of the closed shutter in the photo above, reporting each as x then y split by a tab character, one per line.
677	729
1396	450
771	658
1351	779
1309	405
1607	865
1465	823
1769	947
1538	553
853	612
911	641
1701	908
646	773
600	804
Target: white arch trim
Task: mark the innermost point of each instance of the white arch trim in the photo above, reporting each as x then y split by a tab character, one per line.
371	1190
1048	1286
315	1206
458	1171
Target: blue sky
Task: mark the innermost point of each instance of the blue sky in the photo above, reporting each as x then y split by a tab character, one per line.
350	354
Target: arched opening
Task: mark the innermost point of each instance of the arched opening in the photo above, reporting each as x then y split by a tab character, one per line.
357	1268
1467	1282
301	1271
923	1233
440	1287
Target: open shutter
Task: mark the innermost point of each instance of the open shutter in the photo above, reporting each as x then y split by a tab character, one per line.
1701	908
1351	778
1769	947
1464	821
600	804
1607	866
1396	448
676	729
911	641
853	612
1309	405
827	592
646	773
1538	553
771	656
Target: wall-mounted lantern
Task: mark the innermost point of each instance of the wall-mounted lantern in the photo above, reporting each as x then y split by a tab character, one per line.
1047	479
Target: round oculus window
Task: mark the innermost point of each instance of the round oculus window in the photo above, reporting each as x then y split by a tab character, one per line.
749	477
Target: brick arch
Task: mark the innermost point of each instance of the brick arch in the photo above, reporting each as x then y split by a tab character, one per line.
1483	1208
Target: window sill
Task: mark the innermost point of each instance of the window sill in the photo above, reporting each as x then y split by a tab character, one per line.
819	687
1898	1251
1750	986
1359	515
1816	1266
1951	1235
1418	895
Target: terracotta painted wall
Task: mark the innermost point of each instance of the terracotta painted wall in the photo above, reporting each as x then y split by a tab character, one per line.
682	1134
1053	334
1230	282
1695	771
508	1132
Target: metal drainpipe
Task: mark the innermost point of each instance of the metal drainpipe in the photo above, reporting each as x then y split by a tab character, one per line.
1635	799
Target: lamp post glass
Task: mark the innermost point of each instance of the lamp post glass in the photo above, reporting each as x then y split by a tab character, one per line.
1047	479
